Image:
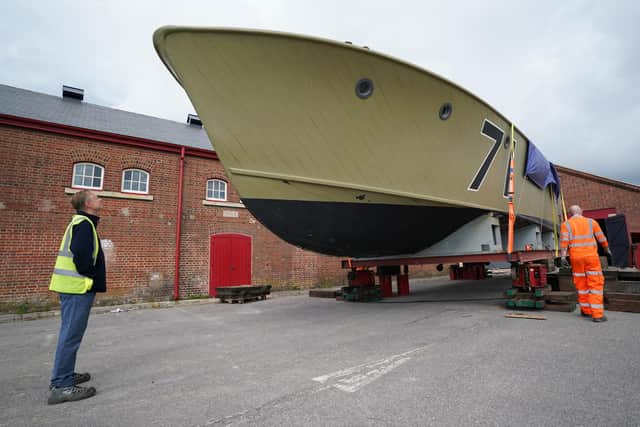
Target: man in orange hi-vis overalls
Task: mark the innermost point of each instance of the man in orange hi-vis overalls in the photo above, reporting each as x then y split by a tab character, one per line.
578	235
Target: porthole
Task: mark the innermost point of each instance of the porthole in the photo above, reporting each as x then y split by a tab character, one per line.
364	88
445	111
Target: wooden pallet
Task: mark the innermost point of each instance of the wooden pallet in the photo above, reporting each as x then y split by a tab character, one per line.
242	299
242	294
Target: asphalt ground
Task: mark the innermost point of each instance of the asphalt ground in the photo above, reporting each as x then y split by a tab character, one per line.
445	356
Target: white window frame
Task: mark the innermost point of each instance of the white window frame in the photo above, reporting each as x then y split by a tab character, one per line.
226	190
91	187
142	172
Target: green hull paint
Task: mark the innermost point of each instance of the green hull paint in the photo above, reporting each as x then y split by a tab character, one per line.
284	118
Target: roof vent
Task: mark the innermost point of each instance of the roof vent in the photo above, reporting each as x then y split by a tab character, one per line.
194	120
72	92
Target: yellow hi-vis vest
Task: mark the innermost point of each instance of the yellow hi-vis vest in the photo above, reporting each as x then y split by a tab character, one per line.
65	278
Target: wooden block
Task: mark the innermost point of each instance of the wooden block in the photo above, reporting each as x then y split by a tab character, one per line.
629	306
610	274
525	316
632	287
562	297
563	307
613	296
629	275
614	286
541	292
565	283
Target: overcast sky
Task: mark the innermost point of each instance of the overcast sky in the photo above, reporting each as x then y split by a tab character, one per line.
567	73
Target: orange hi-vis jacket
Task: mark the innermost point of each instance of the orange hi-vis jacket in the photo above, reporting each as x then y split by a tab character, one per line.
579	235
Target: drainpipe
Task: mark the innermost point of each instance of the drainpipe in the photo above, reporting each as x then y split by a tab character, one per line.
176	283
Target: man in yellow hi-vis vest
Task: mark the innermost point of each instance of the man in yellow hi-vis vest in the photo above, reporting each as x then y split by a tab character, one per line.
78	274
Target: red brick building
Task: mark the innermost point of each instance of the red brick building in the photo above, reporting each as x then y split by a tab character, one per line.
603	198
593	192
53	146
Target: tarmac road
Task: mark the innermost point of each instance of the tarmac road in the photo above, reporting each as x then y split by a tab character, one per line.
300	361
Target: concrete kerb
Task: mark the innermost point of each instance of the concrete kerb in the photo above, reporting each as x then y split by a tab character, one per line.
7	318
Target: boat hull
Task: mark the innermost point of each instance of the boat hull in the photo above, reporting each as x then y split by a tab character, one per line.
368	230
341	167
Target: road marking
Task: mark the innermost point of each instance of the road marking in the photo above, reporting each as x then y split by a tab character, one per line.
354	378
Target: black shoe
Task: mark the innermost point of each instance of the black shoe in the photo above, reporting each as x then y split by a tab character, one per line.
81	378
600	319
69	394
583	314
78	379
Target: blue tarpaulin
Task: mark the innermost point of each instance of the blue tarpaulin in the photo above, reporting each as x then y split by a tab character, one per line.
540	170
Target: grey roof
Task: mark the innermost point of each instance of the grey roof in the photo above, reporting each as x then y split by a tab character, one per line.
72	112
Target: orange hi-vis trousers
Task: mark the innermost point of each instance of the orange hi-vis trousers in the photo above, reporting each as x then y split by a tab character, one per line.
589	281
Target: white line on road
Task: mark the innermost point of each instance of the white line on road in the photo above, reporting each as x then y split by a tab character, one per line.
356	377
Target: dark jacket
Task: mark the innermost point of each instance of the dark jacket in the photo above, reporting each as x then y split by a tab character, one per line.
82	249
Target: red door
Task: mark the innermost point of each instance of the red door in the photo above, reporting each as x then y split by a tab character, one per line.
230	261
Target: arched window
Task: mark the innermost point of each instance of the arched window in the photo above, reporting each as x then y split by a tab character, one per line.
135	181
216	190
87	175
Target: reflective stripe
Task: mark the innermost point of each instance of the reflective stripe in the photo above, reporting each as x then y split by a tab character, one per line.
66	254
579	274
590	227
597	306
564	240
583	236
584	304
575	245
66	246
594	273
67	273
568	228
599	233
583	292
564	234
596	292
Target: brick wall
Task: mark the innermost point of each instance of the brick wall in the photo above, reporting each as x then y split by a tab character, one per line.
35	169
593	192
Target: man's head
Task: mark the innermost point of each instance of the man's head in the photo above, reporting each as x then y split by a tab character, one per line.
575	210
86	201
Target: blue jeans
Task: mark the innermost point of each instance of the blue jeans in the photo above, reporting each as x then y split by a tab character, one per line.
74	314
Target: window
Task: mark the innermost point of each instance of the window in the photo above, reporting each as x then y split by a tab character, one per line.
87	175
216	189
135	181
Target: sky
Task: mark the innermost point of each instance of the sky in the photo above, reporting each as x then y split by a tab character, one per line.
567	73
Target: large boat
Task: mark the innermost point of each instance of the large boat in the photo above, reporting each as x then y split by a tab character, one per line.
345	151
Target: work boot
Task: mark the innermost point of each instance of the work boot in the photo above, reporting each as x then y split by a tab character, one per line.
600	319
81	378
69	394
78	379
583	314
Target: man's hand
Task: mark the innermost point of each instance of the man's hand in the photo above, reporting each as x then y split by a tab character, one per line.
609	252
564	262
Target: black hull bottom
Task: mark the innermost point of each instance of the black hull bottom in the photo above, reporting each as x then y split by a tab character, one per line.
358	229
